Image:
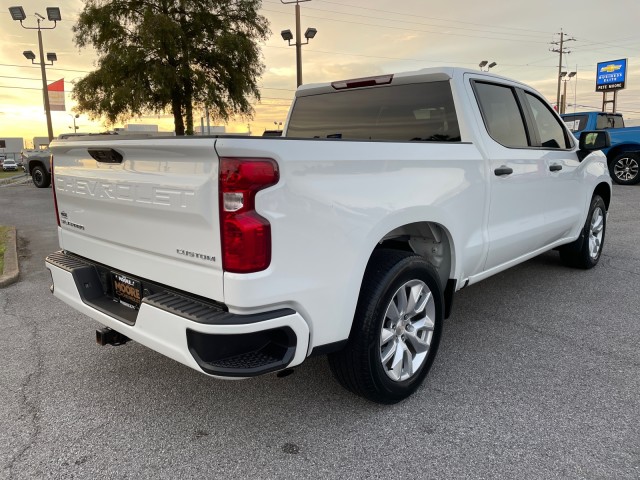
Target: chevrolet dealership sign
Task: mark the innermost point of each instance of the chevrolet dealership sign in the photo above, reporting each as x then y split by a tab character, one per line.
611	75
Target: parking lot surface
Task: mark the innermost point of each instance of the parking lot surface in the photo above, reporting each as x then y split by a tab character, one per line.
537	376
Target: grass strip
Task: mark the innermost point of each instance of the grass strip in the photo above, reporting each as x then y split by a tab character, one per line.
3	239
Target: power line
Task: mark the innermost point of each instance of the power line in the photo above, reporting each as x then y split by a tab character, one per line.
21	88
422	60
430	18
416	23
48	68
414	30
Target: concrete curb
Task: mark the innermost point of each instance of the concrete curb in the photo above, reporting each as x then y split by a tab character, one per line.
11	269
5	182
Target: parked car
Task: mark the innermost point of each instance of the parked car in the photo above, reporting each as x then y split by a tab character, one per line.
9	165
623	157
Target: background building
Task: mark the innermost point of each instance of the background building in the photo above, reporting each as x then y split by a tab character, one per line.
10	147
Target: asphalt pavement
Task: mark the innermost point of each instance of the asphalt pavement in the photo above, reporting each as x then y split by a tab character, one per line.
537	376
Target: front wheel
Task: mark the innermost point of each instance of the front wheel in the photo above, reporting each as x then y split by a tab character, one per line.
586	250
40	177
396	328
625	168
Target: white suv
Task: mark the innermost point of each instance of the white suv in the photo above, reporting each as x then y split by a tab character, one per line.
9	164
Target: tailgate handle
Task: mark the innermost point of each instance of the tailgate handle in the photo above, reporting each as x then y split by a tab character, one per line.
105	155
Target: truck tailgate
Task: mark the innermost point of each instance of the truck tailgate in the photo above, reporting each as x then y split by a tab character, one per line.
148	207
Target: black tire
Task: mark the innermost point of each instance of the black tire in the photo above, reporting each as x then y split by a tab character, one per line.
40	177
625	168
360	367
587	249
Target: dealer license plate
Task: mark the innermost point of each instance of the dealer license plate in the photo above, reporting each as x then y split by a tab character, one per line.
127	290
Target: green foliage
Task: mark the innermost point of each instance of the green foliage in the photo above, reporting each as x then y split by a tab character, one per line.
171	55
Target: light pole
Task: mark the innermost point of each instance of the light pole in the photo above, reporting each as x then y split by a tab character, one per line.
565	78
287	36
485	64
278	125
77	115
53	15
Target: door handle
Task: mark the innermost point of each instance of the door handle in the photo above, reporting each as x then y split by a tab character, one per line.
503	170
555	167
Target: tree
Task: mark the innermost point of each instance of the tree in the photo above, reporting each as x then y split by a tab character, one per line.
160	55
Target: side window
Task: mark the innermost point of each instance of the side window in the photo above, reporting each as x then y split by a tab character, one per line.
502	115
552	135
575	123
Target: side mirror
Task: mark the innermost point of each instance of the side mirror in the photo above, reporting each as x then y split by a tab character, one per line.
594	140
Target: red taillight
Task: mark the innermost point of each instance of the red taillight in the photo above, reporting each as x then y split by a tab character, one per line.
246	236
53	187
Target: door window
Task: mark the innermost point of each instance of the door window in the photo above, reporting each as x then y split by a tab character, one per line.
502	115
552	135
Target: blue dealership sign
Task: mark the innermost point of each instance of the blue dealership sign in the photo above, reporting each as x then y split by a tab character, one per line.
611	75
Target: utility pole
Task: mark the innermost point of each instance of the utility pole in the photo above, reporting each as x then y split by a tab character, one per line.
561	50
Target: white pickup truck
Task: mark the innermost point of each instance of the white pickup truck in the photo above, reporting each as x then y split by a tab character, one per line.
348	236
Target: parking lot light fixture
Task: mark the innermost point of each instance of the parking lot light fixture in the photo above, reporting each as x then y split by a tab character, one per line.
53	14
485	66
310	33
287	36
17	13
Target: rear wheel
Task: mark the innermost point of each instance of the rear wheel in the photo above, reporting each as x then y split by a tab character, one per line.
625	168
40	177
586	250
396	329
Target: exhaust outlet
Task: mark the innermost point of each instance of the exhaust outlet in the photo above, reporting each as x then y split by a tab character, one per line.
108	336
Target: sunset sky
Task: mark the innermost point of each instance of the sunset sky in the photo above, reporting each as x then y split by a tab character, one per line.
355	39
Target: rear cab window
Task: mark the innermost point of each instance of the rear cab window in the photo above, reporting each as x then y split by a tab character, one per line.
420	112
605	121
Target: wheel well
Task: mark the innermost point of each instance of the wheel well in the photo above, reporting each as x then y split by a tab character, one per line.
605	192
430	240
35	163
618	149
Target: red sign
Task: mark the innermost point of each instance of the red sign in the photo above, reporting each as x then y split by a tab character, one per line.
56	95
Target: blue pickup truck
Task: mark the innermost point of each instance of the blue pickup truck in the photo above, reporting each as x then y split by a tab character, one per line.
624	154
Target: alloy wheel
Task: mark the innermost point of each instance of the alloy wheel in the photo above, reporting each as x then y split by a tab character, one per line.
407	330
626	168
596	232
